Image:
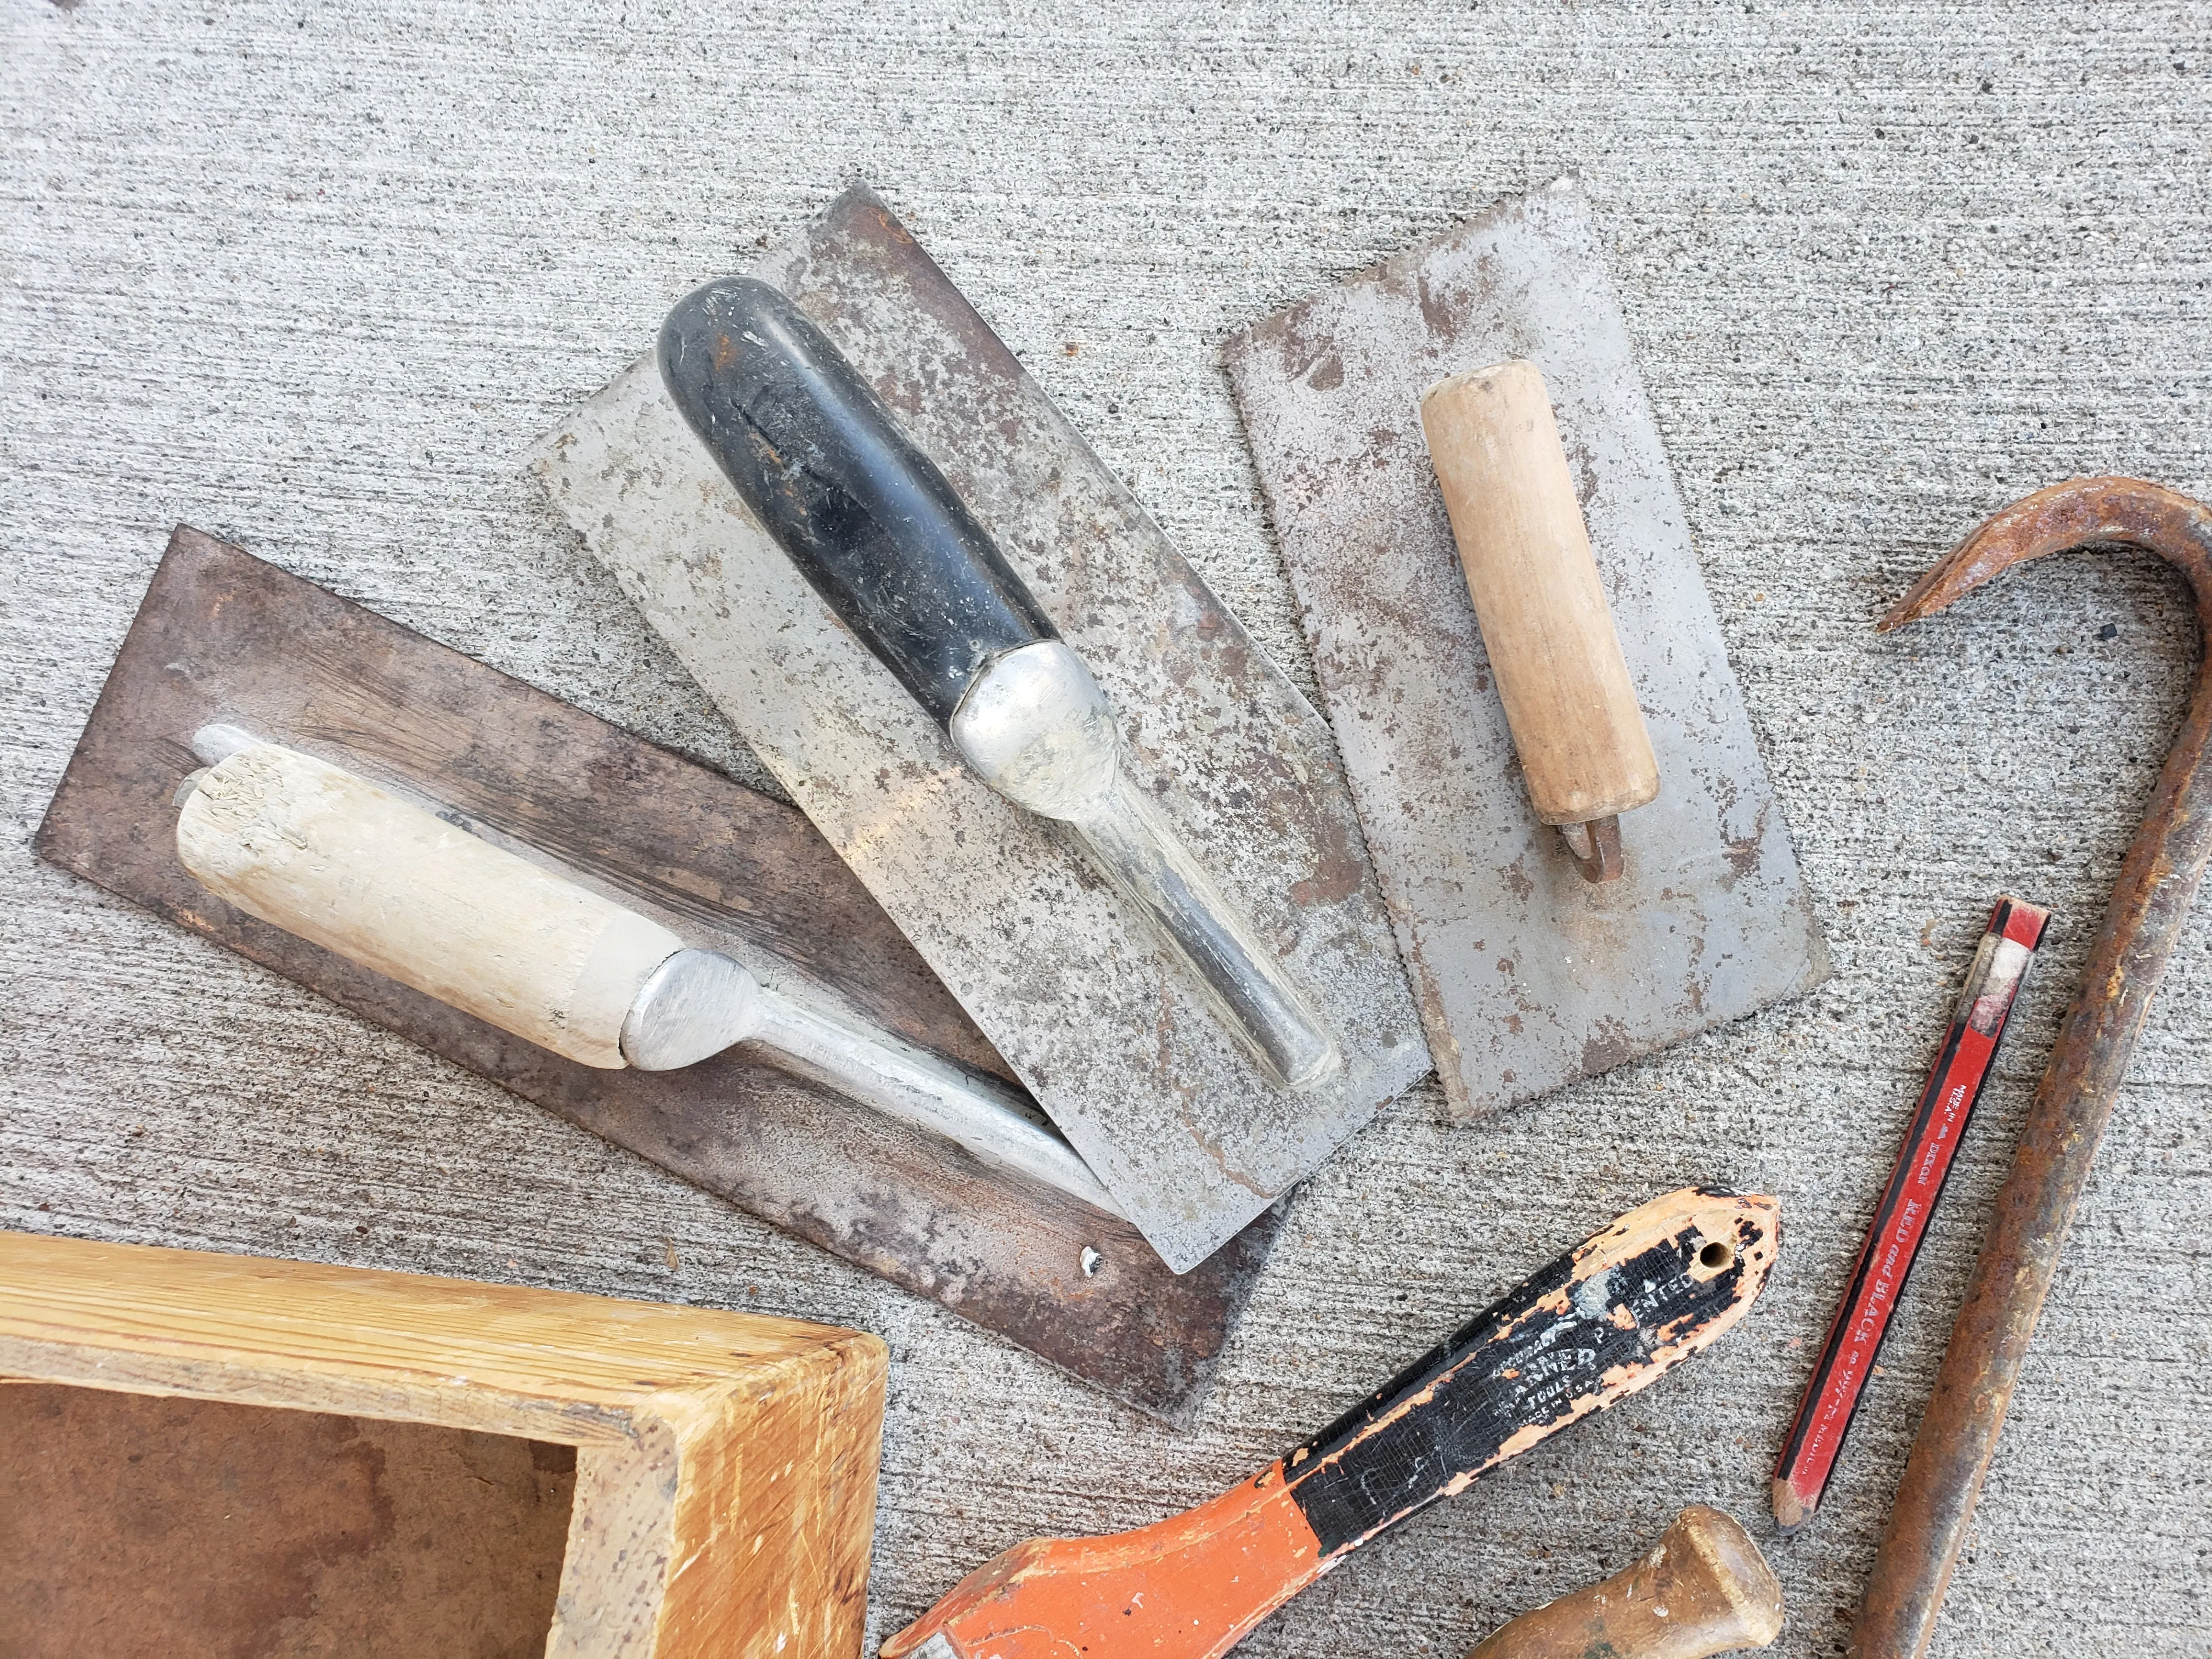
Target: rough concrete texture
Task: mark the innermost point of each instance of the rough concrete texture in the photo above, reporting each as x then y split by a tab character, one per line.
314	279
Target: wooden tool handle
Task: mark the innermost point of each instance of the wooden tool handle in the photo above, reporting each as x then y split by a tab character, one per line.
322	854
1605	1320
1519	526
1703	1588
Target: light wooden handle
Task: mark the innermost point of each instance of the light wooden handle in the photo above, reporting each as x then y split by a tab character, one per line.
1519	526
324	854
1704	1589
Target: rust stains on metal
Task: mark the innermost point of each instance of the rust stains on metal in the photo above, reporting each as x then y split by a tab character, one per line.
222	635
1958	1436
1710	919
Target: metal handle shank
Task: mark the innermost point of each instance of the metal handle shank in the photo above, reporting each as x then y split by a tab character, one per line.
916	1087
1256	999
1038	730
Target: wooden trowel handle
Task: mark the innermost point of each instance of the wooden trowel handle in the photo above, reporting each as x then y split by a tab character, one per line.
1703	1588
322	854
1518	522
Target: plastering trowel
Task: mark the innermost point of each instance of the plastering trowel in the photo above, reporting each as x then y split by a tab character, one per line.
1539	956
1103	1003
223	638
390	885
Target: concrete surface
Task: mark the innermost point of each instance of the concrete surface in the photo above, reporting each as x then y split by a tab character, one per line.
314	278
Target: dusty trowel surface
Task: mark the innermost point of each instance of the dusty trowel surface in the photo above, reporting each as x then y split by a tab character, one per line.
1528	977
222	637
1099	1022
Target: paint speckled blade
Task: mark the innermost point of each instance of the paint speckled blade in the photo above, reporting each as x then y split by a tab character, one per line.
1528	977
1096	1016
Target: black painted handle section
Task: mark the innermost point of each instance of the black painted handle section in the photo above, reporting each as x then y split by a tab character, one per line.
866	516
1510	1375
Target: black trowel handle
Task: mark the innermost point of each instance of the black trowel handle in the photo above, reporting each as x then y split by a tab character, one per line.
867	516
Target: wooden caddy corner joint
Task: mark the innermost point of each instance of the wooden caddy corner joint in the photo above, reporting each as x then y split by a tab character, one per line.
723	1464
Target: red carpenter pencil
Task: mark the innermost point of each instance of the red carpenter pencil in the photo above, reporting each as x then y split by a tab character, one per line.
1900	1224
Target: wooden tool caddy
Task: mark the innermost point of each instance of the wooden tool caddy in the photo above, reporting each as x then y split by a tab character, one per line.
218	1454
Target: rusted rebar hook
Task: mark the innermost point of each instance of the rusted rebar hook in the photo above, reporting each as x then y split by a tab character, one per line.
1951	1456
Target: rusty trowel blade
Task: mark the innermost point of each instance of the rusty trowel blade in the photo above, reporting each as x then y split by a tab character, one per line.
222	635
1104	1026
1529	977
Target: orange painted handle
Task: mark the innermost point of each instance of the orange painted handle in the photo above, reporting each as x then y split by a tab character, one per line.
1191	1584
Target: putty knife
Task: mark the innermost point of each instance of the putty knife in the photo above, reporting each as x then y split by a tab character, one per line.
1603	1321
318	852
1528	976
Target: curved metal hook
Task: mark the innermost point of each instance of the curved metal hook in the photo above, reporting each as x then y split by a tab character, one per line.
2020	1256
2080	512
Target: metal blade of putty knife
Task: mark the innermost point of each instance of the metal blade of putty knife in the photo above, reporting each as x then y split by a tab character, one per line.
1529	976
1105	1022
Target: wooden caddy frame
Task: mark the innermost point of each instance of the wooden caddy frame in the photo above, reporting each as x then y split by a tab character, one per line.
725	1463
